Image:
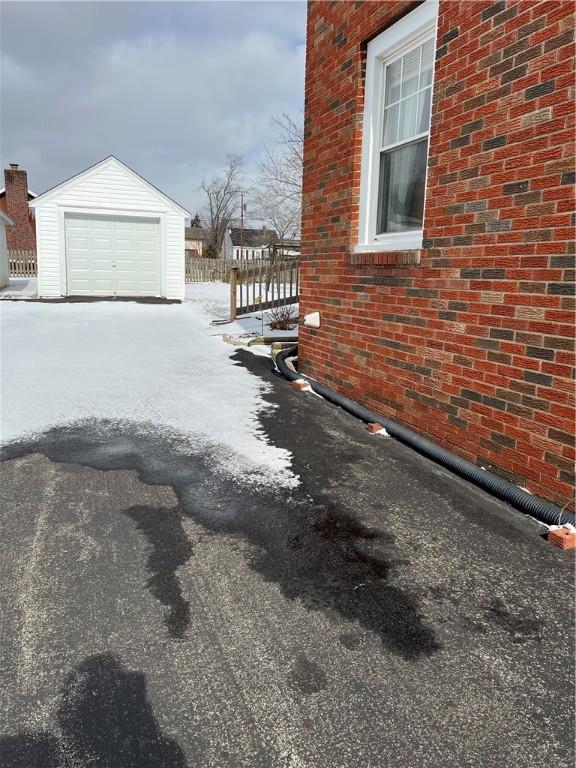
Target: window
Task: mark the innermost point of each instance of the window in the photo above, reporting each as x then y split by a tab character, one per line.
399	77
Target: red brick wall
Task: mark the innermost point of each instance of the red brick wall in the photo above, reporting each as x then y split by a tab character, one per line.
21	235
473	346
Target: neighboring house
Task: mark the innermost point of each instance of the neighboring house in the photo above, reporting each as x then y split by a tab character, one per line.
109	232
195	239
438	252
14	199
250	243
5	222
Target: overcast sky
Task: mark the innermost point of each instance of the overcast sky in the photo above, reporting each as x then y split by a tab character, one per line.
168	87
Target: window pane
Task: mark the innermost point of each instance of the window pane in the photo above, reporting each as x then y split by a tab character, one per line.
393	80
423	111
401	188
410	72
408	115
390	133
427	63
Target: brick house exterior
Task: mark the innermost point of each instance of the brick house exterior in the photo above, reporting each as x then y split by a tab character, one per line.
468	339
14	199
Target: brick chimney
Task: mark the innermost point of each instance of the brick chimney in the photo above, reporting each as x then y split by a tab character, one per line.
22	234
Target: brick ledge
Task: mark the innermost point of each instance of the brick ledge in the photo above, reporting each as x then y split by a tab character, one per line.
385	258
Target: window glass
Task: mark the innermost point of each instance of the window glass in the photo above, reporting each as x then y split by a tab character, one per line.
423	121
406	101
406	115
410	72
393	81
401	188
391	125
427	63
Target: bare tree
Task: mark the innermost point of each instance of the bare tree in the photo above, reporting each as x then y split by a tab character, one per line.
222	194
278	192
282	214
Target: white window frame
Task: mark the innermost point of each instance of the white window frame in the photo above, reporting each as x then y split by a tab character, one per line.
410	31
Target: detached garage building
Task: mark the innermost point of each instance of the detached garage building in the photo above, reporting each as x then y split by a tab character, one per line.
109	232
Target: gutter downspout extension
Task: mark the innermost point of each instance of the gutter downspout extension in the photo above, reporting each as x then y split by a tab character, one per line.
542	510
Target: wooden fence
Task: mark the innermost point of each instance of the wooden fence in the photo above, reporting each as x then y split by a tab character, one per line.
264	286
22	263
200	270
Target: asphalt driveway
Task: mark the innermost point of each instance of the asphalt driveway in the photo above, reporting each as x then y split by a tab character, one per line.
201	567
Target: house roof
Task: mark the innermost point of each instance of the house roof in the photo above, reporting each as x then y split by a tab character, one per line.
253	238
195	233
5	218
30	193
107	160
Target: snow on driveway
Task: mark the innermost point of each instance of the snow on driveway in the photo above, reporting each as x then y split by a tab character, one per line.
159	365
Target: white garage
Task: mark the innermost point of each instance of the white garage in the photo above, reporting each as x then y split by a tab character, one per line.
109	232
4	263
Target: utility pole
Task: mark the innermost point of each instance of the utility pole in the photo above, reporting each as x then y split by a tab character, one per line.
241	226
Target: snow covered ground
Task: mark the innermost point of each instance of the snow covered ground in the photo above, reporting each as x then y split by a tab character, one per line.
214	298
160	365
20	288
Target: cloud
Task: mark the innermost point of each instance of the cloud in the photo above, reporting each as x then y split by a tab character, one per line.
170	88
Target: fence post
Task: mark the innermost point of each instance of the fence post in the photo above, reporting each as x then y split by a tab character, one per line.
233	283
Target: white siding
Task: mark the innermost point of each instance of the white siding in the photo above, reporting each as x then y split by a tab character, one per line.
109	188
4	266
175	278
48	251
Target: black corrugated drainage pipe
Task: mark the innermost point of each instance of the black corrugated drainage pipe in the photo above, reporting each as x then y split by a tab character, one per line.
541	509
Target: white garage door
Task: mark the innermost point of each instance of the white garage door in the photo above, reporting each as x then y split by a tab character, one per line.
112	256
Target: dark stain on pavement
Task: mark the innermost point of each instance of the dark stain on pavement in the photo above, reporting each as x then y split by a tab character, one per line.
170	550
522	628
350	641
104	719
306	676
335	562
318	553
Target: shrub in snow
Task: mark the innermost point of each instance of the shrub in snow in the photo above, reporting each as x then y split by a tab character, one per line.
283	318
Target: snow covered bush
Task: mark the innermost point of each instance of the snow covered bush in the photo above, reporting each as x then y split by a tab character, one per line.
283	318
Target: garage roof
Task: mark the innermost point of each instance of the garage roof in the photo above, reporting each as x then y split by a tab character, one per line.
110	160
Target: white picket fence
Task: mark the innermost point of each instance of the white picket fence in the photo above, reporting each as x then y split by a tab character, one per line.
22	263
199	270
264	286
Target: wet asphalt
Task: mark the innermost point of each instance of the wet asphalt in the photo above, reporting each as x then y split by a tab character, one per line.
385	613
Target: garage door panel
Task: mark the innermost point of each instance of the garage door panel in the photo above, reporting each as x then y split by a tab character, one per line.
123	244
82	284
147	246
126	274
80	264
149	264
77	225
113	256
102	265
127	225
97	225
79	243
103	287
126	286
102	244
